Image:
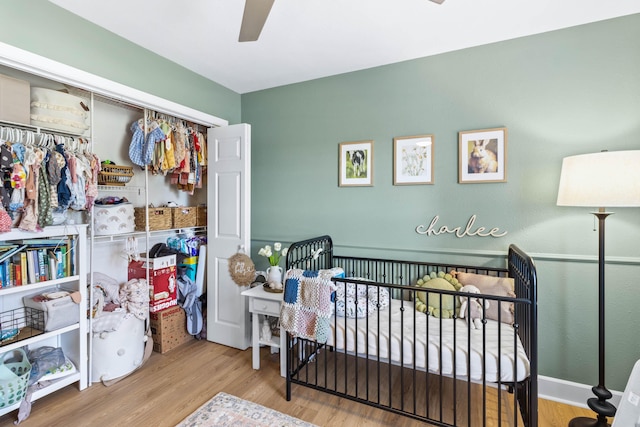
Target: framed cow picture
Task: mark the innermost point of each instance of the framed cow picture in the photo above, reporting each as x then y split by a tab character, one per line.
355	164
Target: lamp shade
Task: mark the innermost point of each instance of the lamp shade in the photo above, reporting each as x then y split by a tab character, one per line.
605	179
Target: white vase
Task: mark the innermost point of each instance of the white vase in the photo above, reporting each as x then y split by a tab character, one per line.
274	274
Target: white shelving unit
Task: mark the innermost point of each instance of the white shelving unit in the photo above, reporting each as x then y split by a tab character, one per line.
73	338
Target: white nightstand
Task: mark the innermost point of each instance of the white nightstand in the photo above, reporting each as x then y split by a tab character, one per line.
266	303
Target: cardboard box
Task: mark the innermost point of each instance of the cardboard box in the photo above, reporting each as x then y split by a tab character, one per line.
163	286
169	329
15	100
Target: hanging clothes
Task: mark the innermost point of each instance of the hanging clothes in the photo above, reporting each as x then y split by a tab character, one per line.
168	159
64	193
45	214
6	168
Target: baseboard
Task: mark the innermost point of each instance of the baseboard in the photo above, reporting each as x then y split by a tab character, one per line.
568	392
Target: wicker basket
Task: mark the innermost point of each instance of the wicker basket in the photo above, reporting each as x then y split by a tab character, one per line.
114	175
14	377
201	216
159	218
184	216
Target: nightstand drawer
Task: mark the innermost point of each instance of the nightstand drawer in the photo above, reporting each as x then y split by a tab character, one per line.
264	306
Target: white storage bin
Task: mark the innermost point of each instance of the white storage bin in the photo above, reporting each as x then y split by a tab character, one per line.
113	219
119	352
58	312
52	109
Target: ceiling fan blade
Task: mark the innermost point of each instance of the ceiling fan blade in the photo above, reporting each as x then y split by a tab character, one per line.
438	1
253	19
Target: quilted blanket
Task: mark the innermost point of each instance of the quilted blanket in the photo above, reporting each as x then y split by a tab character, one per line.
306	307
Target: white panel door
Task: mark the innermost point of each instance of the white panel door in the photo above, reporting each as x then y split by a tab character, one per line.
228	231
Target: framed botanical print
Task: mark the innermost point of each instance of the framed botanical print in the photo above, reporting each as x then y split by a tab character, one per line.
413	160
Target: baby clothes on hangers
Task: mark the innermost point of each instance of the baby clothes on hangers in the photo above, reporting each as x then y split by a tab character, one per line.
169	160
155	136
45	212
136	148
64	193
92	182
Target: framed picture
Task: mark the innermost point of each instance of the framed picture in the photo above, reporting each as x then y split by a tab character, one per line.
482	156
356	164
413	160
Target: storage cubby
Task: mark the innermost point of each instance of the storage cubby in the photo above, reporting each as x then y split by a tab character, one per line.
32	334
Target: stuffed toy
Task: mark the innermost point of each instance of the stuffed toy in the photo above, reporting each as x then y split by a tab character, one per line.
471	307
430	302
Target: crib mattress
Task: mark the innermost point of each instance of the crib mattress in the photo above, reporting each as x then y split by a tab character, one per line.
379	335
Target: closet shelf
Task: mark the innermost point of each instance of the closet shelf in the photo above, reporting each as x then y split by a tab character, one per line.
122	188
41	337
155	233
36	286
54	385
39	130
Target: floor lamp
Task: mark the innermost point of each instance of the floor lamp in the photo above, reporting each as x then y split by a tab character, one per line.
605	179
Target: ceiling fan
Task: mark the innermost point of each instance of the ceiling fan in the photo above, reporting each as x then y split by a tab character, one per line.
255	15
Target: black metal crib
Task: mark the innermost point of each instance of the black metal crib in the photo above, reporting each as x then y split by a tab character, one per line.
366	360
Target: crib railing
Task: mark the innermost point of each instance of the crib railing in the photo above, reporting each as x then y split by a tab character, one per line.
402	387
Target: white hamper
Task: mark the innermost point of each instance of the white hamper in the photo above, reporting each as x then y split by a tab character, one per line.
118	353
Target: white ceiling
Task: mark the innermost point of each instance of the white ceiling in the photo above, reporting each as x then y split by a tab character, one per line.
309	39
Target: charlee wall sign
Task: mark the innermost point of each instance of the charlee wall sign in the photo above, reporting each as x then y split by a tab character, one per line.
434	230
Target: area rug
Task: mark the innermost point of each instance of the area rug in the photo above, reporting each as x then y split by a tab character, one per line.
226	410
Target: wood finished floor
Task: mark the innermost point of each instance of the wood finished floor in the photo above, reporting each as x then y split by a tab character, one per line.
172	385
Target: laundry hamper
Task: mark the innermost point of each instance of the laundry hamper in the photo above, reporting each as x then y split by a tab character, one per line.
14	377
118	353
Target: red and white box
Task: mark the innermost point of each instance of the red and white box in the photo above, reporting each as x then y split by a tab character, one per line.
163	286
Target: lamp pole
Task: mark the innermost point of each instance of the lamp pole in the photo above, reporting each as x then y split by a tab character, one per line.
599	404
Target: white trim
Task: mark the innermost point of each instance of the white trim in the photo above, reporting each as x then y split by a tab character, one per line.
29	62
568	392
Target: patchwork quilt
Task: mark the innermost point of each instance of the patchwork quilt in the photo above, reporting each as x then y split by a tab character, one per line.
307	306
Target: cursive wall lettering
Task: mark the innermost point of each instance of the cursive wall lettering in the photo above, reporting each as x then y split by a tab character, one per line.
433	230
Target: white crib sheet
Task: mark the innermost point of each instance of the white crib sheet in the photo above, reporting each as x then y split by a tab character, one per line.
440	349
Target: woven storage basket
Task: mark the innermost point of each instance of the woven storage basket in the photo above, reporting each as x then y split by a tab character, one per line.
114	175
14	377
201	216
159	218
184	216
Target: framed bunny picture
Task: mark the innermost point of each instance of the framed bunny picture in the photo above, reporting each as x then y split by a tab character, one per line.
482	156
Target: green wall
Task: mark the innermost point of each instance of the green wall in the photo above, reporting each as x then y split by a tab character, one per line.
560	93
50	31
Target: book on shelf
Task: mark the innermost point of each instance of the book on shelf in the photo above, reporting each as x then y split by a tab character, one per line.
60	263
31	267
23	267
53	241
17	270
28	261
52	261
10	252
